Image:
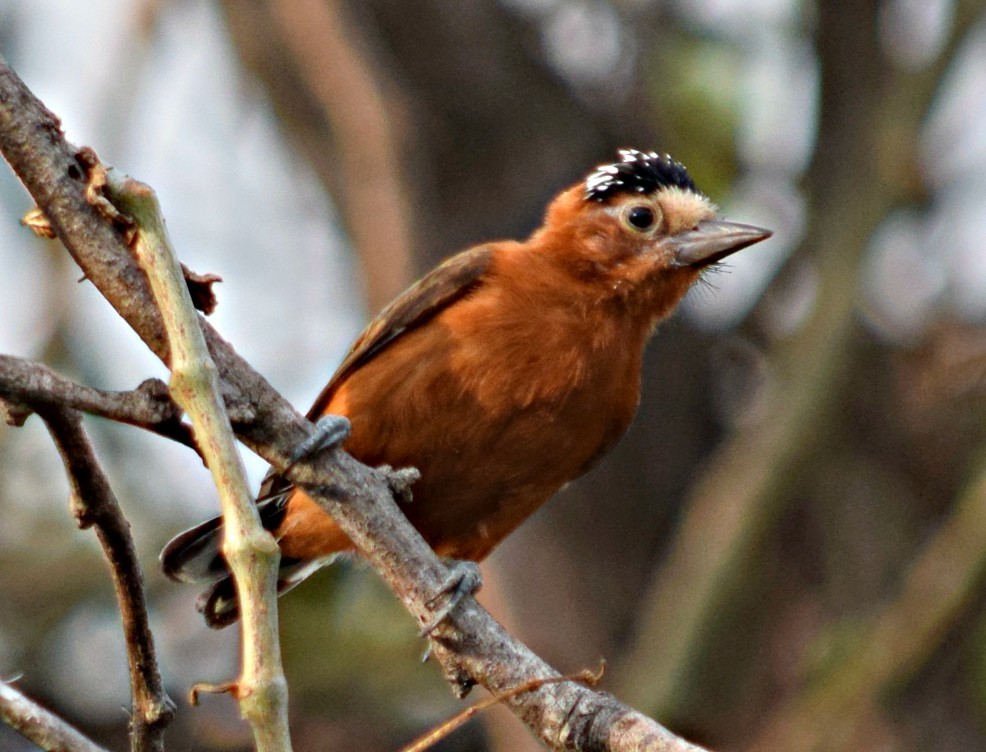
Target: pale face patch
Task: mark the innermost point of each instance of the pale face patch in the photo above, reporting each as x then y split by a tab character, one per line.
675	210
683	209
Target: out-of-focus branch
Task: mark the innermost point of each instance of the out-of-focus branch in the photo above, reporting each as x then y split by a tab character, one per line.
742	489
250	551
351	131
361	115
149	406
40	725
941	583
94	504
471	646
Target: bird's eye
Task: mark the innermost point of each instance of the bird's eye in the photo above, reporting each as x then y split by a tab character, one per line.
640	217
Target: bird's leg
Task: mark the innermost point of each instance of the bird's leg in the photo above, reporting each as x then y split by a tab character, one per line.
330	431
463	579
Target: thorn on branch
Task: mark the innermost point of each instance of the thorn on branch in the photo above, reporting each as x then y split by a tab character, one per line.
460	681
200	288
82	512
231	688
96	178
14	413
38	223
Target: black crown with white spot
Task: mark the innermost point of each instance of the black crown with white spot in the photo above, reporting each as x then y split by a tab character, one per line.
637	172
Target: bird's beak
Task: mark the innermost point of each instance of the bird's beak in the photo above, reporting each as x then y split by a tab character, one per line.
712	240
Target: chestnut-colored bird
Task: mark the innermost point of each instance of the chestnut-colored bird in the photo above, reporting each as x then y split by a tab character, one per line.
503	374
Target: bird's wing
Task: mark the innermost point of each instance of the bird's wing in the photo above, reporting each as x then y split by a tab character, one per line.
430	295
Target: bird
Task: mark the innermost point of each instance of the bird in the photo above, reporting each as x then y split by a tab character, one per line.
502	375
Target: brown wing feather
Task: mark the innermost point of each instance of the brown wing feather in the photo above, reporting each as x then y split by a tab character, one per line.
427	297
424	299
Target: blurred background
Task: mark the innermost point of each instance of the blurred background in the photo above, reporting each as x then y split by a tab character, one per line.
787	549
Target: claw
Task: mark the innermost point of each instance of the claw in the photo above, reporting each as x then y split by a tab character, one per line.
400	481
463	579
330	431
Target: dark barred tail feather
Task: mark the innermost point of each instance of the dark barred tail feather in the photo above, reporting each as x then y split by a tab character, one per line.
220	606
195	556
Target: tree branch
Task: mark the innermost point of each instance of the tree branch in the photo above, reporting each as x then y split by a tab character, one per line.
471	646
94	504
24	383
40	725
249	550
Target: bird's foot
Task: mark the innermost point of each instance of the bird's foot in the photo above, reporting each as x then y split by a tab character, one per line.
399	481
463	579
330	431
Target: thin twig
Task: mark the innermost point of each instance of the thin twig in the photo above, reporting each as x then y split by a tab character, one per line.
94	504
149	406
249	550
40	725
422	743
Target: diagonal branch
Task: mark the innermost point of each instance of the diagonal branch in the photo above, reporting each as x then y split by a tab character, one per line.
94	505
40	725
471	646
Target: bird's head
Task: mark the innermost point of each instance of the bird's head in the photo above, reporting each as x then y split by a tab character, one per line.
641	228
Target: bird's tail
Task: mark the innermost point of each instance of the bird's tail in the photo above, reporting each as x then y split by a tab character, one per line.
195	556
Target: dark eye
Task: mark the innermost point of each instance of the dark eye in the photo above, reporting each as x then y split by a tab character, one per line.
641	217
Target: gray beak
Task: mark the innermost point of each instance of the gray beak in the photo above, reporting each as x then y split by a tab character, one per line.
712	240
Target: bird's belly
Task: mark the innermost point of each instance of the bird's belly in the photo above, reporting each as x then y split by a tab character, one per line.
469	499
483	473
492	443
